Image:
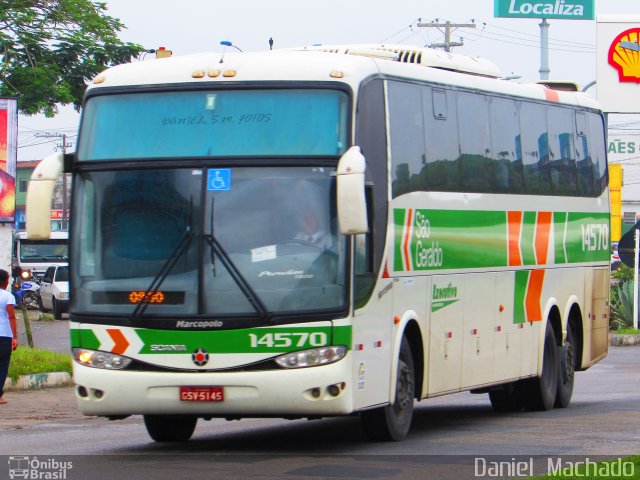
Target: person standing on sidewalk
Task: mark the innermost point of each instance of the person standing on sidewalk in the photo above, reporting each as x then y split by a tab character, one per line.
8	329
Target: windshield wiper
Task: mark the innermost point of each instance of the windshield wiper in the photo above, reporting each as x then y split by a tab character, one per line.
218	250
168	265
160	277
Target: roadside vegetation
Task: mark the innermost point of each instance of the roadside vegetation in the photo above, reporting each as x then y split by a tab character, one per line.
621	299
29	360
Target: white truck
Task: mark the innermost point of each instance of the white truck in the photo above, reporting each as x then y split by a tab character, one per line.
36	256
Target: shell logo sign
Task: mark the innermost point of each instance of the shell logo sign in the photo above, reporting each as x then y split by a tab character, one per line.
624	55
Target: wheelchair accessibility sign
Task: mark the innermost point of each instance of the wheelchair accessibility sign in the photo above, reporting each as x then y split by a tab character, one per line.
219	179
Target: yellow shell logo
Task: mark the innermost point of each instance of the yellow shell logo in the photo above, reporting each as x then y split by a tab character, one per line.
624	55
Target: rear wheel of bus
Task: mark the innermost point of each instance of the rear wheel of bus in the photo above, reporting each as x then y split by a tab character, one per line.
392	423
566	369
170	428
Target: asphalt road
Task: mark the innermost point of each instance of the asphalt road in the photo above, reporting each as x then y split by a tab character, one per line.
450	435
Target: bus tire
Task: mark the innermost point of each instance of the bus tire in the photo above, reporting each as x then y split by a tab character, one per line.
392	423
170	428
566	370
543	389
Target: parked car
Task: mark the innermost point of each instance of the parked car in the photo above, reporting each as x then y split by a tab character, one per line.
54	290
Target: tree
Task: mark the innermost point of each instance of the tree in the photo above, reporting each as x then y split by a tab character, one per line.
50	48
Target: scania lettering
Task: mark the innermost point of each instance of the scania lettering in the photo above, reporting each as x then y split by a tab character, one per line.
331	231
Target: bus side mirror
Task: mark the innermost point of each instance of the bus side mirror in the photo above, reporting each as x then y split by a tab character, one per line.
40	194
352	204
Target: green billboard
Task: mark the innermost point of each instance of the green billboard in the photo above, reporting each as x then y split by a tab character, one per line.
563	9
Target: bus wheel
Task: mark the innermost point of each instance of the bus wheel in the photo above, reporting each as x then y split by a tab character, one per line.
170	428
542	390
566	370
392	423
507	399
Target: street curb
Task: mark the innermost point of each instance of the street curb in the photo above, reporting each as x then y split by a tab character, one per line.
39	380
624	340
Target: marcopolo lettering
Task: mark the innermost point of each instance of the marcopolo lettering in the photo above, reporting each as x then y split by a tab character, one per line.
199	324
555	8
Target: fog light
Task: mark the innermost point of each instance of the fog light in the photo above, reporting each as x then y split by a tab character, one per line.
98	394
82	392
315	393
333	390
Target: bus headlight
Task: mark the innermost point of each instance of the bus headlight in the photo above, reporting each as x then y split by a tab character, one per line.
312	358
97	359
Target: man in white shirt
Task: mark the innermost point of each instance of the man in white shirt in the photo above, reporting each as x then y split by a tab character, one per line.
8	329
312	231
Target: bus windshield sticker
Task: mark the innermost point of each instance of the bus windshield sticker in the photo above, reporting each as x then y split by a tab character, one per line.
219	179
263	253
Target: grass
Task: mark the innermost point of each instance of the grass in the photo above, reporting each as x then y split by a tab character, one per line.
628	331
27	360
632	467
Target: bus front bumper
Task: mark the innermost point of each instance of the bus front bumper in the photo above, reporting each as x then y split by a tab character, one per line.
288	392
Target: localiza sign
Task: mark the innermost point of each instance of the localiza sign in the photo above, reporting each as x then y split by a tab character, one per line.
565	9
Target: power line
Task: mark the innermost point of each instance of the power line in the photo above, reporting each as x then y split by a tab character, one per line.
551	39
528	43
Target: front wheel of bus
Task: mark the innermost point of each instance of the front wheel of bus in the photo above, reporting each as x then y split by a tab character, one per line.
544	388
170	428
392	423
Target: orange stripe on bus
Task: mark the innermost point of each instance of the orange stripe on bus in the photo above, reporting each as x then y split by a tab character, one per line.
514	221
543	227
407	257
120	343
551	95
532	299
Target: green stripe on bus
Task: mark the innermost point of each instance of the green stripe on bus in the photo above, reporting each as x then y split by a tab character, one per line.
248	340
527	239
559	224
399	215
462	239
520	291
83	338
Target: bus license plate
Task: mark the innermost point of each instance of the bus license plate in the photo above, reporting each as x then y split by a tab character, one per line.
202	394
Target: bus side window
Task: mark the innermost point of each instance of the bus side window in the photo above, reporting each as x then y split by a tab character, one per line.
598	153
583	157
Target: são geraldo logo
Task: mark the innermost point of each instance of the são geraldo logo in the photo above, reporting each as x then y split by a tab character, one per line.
624	55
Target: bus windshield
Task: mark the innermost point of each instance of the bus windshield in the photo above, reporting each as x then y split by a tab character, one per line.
209	240
37	251
214	123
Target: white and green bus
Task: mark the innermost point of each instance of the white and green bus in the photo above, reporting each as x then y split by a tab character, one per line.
463	224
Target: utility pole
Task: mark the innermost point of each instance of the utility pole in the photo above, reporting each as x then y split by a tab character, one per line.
447	44
544	50
65	219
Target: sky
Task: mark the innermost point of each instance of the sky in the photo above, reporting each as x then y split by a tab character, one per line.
194	26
